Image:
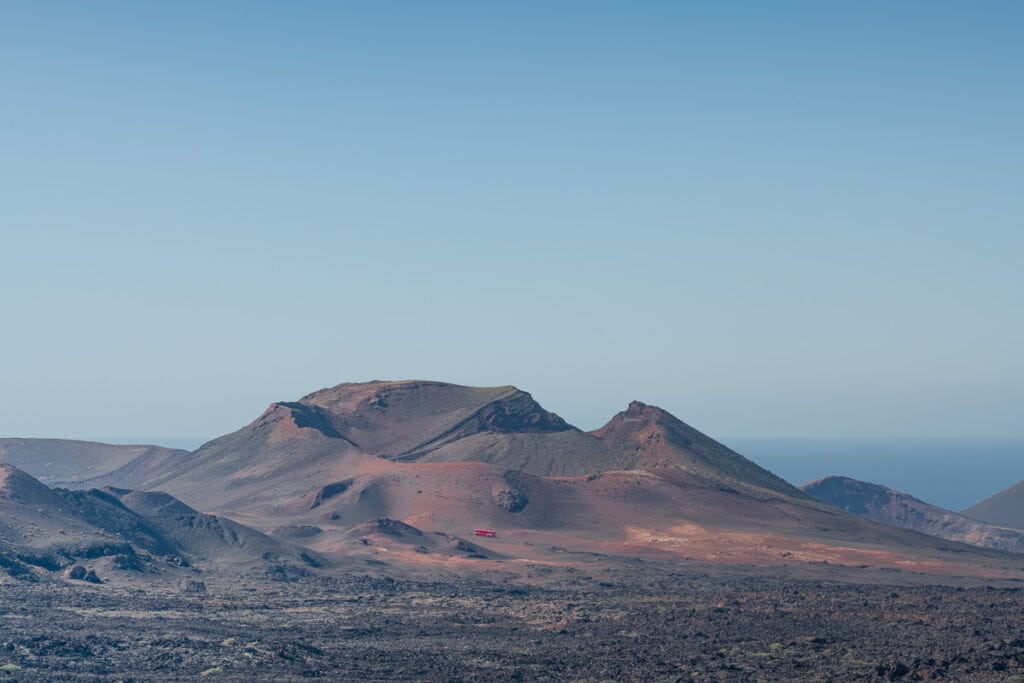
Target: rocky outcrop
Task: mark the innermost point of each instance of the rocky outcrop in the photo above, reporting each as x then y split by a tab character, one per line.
330	491
389	527
79	573
510	497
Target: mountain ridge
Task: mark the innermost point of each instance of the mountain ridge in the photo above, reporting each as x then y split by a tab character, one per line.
69	462
895	508
326	433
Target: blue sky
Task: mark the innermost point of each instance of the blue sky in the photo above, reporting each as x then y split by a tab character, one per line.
769	218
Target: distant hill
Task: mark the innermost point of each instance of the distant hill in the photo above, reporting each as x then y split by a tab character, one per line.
62	462
48	530
206	537
884	505
1005	508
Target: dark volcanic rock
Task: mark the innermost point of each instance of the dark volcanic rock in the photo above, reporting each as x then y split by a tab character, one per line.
725	627
14	568
519	413
330	491
297	531
391	527
510	499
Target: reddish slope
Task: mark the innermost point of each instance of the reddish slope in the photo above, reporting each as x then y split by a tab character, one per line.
668	513
283	454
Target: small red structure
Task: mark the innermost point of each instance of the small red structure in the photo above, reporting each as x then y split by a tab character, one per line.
489	533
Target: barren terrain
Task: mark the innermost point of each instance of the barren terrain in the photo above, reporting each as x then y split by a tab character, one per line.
627	622
332	539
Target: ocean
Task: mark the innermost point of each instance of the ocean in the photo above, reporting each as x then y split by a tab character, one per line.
951	473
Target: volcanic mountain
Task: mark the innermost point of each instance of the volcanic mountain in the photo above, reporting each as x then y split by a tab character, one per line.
1005	508
897	509
44	529
328	435
62	462
340	469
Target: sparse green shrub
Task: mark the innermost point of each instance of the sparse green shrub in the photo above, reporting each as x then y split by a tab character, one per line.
212	671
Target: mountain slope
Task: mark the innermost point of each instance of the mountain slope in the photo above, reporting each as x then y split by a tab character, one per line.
282	454
1005	508
62	462
647	437
206	537
44	529
897	509
296	447
53	528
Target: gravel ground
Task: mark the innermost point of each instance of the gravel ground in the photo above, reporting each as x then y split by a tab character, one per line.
679	626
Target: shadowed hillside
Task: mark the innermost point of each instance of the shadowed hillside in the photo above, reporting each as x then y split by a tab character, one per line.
887	506
121	533
1005	508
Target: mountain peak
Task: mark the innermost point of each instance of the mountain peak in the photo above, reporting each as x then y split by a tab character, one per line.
11	476
8	474
655	438
638	410
19	485
639	416
371	392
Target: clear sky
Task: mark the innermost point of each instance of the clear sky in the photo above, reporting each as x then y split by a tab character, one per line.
786	218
